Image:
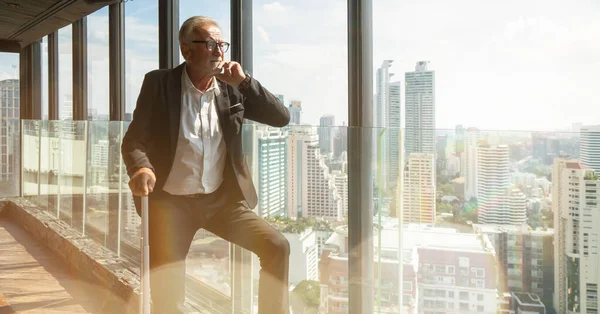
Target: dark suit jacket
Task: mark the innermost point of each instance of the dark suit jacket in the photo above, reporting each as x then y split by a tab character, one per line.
151	138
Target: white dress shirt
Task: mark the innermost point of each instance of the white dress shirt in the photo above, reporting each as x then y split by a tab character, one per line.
200	154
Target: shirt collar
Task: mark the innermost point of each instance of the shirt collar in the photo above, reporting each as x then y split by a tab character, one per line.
186	83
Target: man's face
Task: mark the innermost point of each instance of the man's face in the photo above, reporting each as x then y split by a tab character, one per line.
197	55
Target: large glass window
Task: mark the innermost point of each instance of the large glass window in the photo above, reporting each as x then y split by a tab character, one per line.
44	48
451	74
10	148
141	47
300	55
209	259
97	63
141	57
65	73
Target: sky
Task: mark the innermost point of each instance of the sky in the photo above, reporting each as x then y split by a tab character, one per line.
510	65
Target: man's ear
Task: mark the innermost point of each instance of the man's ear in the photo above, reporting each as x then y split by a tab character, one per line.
185	51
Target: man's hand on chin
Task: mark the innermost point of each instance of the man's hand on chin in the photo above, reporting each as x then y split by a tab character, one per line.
233	73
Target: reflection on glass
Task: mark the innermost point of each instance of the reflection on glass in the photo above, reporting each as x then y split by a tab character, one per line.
31	158
97	179
49	166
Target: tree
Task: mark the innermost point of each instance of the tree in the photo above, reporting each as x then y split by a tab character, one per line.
306	297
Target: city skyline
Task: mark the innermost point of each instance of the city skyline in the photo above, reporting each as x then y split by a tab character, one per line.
494	77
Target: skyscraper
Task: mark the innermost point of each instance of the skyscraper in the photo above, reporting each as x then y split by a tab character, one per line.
295	112
326	133
381	121
419	189
394	125
420	110
589	147
577	237
312	190
272	171
497	203
9	130
469	162
280	97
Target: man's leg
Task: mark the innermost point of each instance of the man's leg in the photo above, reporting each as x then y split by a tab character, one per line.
171	229
243	227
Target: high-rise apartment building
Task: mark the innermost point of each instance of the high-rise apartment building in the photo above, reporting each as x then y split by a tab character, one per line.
420	110
419	189
9	130
456	275
498	204
589	147
525	258
312	190
341	183
577	256
271	145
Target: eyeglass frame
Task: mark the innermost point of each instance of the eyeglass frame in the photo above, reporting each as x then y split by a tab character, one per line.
217	44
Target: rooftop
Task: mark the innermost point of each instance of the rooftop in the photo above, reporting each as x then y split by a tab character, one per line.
512	229
528	299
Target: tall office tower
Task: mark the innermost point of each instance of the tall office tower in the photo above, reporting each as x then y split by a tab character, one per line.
295	112
9	139
381	121
577	237
326	133
460	138
525	258
419	189
312	191
272	171
280	97
468	159
394	125
340	142
420	110
493	183
589	147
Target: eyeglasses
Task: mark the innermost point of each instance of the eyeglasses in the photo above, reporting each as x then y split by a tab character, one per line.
211	45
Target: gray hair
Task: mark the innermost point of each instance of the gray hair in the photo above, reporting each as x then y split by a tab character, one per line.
188	27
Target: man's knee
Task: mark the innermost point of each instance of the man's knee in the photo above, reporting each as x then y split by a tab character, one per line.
280	245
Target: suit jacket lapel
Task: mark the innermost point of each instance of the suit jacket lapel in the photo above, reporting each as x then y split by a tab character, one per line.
174	104
222	103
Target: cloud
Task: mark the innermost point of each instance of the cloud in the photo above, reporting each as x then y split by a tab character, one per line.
264	36
274	8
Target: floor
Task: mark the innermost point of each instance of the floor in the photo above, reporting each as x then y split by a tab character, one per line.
33	280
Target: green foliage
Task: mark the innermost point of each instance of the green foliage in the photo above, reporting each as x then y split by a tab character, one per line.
446	189
306	297
288	225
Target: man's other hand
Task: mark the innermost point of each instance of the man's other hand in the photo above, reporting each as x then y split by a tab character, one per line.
142	182
233	73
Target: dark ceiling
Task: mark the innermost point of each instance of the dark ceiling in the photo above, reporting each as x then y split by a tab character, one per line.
25	21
